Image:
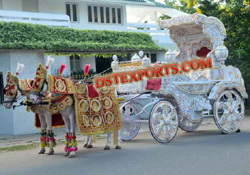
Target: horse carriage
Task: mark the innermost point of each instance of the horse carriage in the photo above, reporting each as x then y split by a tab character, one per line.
180	100
183	100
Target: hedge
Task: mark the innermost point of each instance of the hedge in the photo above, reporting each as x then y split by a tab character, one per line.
14	35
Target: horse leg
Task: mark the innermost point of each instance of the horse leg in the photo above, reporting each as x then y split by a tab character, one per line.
90	142
86	143
118	143
107	146
50	138
42	134
73	135
67	136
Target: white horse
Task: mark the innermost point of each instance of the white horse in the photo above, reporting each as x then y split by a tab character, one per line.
68	115
44	116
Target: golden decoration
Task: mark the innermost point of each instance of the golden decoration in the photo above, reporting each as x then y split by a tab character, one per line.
97	120
95	105
40	77
86	121
101	121
109	117
81	88
83	105
60	85
107	103
105	90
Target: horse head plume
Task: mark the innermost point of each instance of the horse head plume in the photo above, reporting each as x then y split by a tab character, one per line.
62	67
19	68
50	61
86	69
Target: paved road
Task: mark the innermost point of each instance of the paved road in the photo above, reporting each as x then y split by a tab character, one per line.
204	151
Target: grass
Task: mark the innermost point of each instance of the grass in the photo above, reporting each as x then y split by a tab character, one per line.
19	147
33	145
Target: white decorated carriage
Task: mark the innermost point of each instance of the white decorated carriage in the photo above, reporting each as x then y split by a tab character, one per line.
183	100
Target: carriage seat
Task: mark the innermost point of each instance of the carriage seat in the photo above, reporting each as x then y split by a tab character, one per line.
154	84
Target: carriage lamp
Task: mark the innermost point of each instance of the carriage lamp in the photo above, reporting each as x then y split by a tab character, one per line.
135	58
170	56
141	53
114	64
221	53
145	61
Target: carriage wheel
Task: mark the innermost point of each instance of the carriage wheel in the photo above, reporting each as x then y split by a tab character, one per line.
187	125
130	128
229	111
163	122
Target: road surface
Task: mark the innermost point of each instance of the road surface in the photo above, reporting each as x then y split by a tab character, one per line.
204	151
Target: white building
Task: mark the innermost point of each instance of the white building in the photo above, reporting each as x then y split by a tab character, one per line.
120	15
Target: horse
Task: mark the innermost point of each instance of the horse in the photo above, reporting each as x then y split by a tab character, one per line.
12	93
67	110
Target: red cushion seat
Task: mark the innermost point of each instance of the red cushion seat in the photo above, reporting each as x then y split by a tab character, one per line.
153	84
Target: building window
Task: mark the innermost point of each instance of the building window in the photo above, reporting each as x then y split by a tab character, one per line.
90	13
95	14
1	88
75	64
119	13
72	11
101	14
107	15
113	16
153	58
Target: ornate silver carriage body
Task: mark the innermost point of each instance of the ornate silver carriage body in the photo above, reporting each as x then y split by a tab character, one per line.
217	92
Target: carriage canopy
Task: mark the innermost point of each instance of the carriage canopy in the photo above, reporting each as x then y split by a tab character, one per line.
195	34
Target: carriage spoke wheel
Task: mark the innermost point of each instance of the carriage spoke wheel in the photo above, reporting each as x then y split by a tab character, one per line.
130	128
229	111
163	122
186	125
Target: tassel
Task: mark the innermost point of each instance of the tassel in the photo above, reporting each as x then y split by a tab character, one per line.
62	67
19	68
50	61
86	69
94	138
115	137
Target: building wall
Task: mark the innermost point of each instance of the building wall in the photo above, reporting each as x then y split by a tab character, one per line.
58	7
55	67
88	60
15	5
6	116
19	121
30	5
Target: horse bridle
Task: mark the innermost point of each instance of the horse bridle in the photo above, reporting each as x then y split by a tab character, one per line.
15	97
39	94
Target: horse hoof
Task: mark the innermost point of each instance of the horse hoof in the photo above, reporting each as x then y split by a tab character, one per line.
90	146
118	147
85	145
238	130
42	151
51	153
66	154
107	148
72	155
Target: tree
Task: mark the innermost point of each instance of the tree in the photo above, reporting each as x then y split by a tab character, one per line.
235	15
